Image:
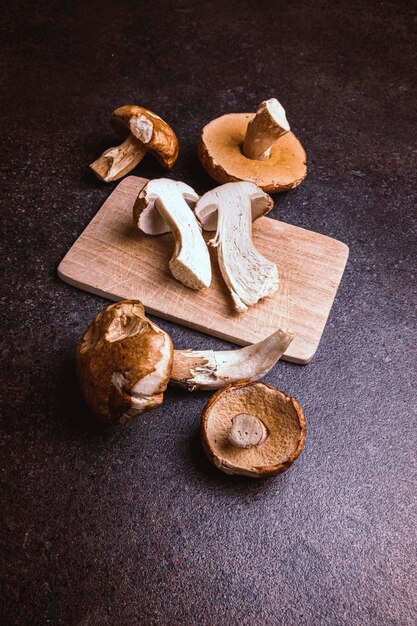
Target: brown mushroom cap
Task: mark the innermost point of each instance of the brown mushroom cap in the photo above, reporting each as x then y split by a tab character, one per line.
220	153
281	415
123	363
149	129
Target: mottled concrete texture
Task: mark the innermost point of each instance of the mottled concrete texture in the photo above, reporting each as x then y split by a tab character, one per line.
124	526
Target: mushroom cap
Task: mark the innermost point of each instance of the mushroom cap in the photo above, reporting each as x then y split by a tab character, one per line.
281	415
206	207
149	129
124	362
146	216
220	153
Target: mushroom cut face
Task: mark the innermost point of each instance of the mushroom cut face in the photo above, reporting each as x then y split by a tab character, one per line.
253	429
165	205
230	209
123	363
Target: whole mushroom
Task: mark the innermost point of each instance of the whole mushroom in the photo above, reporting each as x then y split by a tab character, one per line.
124	362
143	131
257	147
253	429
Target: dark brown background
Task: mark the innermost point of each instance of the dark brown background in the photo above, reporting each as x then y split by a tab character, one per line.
131	525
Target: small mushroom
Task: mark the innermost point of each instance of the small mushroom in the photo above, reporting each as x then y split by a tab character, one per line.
163	205
123	363
253	429
144	132
207	369
257	147
230	209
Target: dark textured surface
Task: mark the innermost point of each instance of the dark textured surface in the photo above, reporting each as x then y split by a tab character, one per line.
131	525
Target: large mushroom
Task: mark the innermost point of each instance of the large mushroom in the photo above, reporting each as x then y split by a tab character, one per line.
257	147
123	363
165	205
209	369
230	210
253	429
144	132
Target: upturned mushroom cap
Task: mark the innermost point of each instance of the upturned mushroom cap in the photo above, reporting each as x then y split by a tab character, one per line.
149	129
123	363
220	153
253	429
207	206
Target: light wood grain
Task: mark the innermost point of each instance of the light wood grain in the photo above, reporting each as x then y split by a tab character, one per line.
112	259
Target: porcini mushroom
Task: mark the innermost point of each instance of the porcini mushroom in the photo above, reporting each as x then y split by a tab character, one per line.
144	131
164	205
257	147
253	429
123	363
230	210
209	369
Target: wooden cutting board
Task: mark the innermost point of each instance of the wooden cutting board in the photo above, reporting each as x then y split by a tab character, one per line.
111	259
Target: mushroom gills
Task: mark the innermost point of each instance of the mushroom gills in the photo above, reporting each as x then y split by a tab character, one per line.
208	369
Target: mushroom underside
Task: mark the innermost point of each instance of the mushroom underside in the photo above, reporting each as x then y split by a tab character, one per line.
280	415
220	152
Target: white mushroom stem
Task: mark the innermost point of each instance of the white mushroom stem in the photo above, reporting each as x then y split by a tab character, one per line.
190	262
116	162
264	130
207	369
247	431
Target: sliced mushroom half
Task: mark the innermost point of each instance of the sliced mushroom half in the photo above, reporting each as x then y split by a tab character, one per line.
230	210
209	369
165	205
253	429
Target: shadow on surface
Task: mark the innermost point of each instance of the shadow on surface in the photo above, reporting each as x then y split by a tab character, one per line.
231	484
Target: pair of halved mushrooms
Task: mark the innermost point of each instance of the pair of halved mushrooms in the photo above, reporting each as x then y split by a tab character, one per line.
125	362
165	205
257	147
